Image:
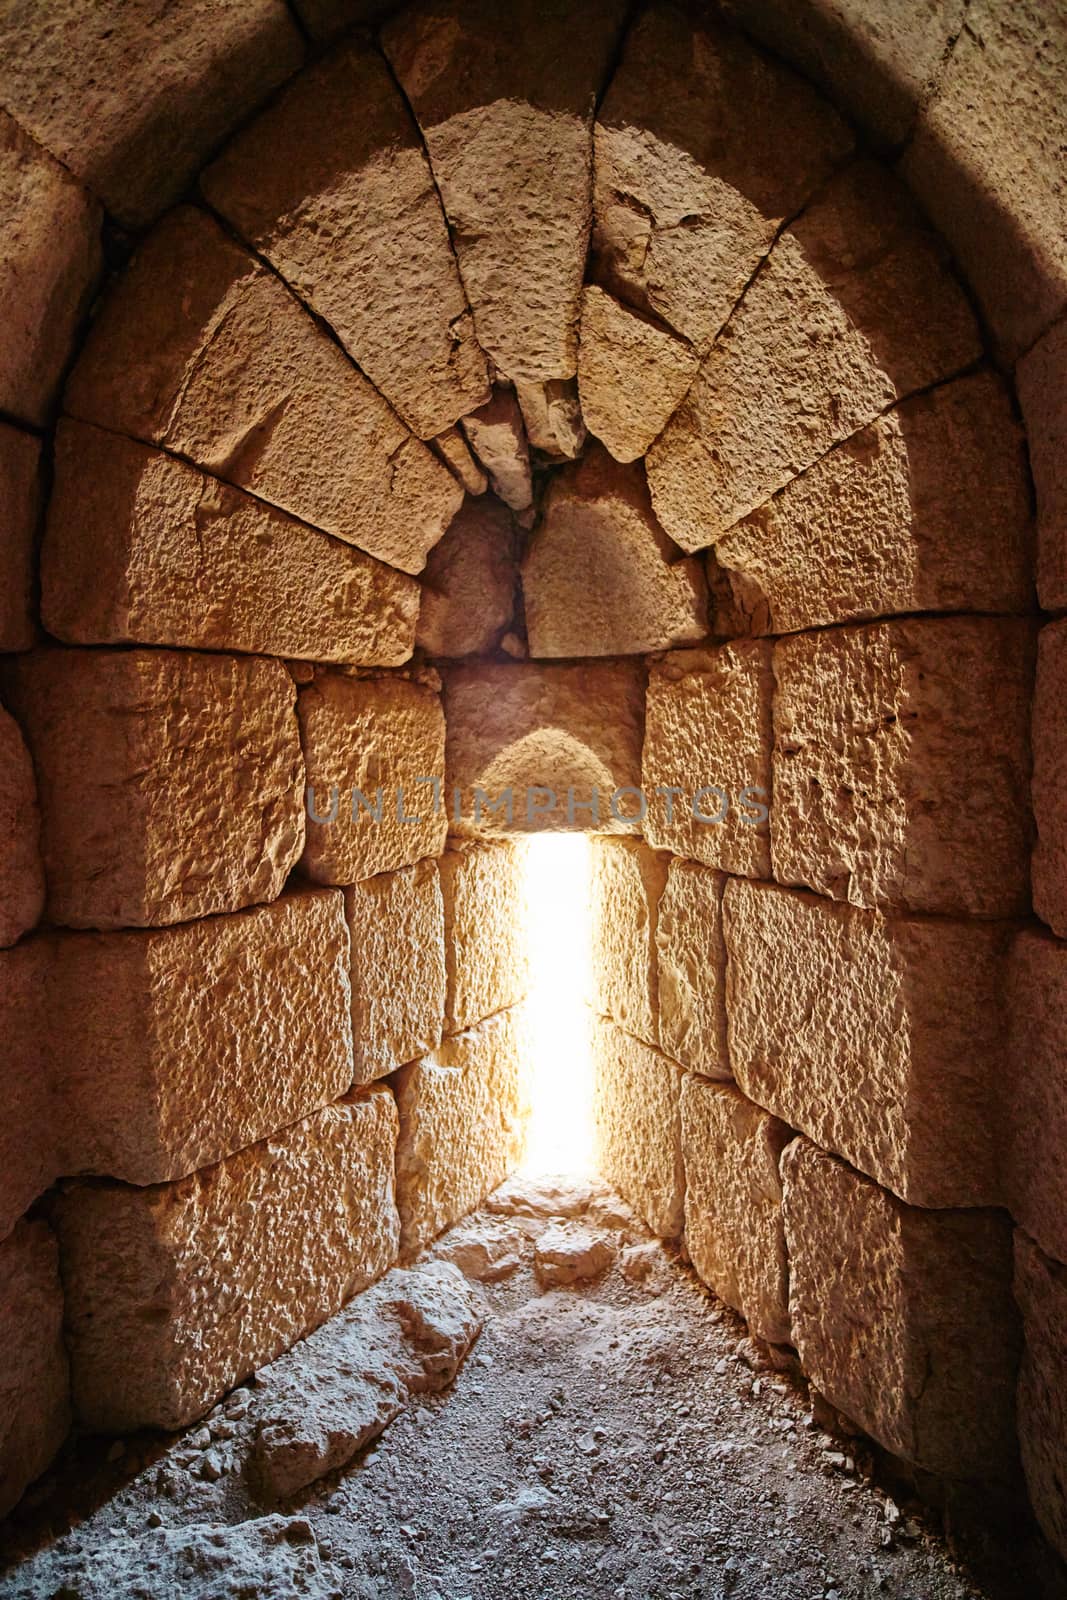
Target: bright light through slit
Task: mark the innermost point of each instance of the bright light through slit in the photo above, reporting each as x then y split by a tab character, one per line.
558	928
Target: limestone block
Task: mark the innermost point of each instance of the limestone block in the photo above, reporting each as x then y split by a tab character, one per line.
854	309
1041	1291
637	1126
507	116
28	1158
627	881
569	1252
632	374
397	926
179	1291
35	1388
20	505
903	1318
558	738
552	417
331	183
600	577
201	349
881	1038
21	872
367	743
141	547
733	1203
485	930
50	260
1033	1121
708	739
928	509
169	782
691	969
453	449
901	761
497	435
468	594
690	186
463	1112
1039	379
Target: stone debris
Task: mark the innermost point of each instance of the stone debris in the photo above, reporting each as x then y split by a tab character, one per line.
568	1252
455	452
484	1249
497	435
552	414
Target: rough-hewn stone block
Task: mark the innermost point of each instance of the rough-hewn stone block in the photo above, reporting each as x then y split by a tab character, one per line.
627	881
1041	1291
497	435
1039	378
463	1113
452	448
904	1318
35	1387
141	547
28	1160
21	872
468	588
169	782
637	1126
367	743
20	505
1049	787
632	373
485	934
397	925
1032	1127
552	417
179	1291
691	960
901	761
332	184
708	739
881	1038
733	1203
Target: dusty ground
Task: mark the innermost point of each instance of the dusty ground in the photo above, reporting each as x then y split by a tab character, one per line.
617	1438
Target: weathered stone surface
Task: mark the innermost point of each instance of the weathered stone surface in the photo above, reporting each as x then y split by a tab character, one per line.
637	1124
627	881
28	1159
928	509
901	761
904	1318
332	184
485	945
986	161
1041	1292
141	547
1039	379
176	1292
708	738
1048	792
20	500
483	1248
397	926
691	960
463	1112
169	782
733	1203
50	259
552	416
35	1386
1032	1127
154	1076
855	308
690	186
455	452
203	350
468	593
21	872
497	435
632	374
367	742
507	116
558	737
881	1038
543	1197
600	577
569	1252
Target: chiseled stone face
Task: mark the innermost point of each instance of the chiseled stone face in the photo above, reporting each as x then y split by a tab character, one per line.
1048	790
632	373
20	495
21	873
485	937
1032	1128
169	782
637	1126
179	1291
691	961
903	1318
468	588
901	764
36	1412
397	927
627	881
1041	1292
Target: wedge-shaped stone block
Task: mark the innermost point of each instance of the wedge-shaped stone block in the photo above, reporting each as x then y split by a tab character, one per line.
627	881
485	930
855	308
179	1291
880	1037
1048	791
690	187
901	763
375	755
452	448
1041	1292
21	872
552	416
557	739
20	505
35	1387
928	509
463	1114
1039	379
691	962
632	374
600	577
169	782
637	1126
141	547
902	1318
28	1159
468	588
497	435
1033	1113
331	183
201	349
397	926
706	765
733	1203
507	116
